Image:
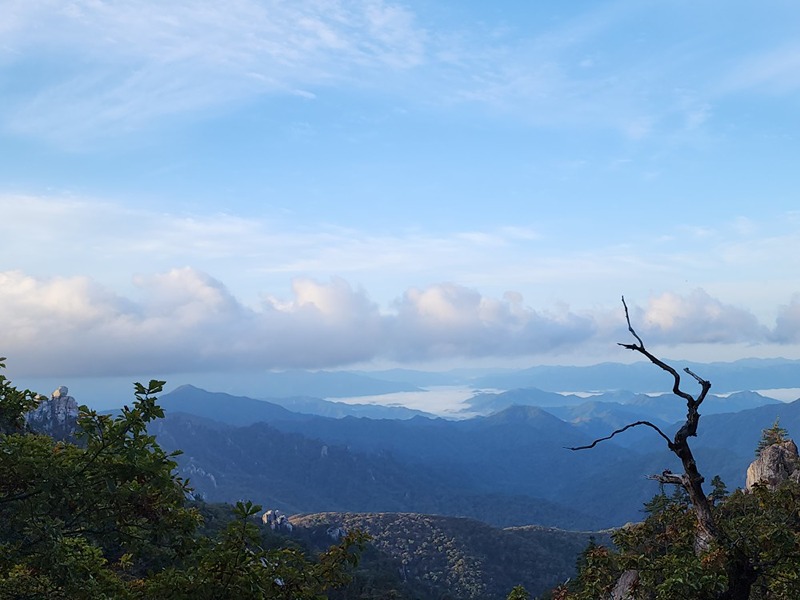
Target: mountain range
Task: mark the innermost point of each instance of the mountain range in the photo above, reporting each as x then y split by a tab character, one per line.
639	377
745	374
242	410
506	468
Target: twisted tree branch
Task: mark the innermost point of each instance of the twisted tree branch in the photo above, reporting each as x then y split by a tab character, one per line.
602	439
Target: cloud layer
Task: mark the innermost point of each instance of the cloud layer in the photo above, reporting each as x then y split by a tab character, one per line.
187	321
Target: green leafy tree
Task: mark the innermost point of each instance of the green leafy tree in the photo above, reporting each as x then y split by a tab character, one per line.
14	404
81	520
236	566
108	518
596	572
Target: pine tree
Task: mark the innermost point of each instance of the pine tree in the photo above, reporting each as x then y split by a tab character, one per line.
518	593
769	437
719	491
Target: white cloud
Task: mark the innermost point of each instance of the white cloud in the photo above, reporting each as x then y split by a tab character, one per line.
186	321
449	319
189	321
787	328
698	318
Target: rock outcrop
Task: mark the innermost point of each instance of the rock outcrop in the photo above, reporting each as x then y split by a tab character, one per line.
776	464
56	416
276	520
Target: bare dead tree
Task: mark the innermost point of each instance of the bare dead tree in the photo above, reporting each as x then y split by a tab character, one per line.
691	479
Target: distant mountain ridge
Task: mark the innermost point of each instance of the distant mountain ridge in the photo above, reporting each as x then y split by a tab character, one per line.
745	374
338	410
665	407
242	410
641	377
233	410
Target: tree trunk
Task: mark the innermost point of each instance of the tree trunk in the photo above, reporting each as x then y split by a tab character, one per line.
692	482
741	577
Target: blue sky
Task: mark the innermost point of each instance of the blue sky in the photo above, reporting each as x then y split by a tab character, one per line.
322	184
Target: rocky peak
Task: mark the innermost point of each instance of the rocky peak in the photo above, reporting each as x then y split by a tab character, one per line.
56	416
276	520
775	464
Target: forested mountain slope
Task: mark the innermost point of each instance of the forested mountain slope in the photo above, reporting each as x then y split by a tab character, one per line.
516	457
464	558
295	473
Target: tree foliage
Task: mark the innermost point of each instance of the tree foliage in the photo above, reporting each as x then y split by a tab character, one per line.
107	517
771	436
518	592
14	404
759	538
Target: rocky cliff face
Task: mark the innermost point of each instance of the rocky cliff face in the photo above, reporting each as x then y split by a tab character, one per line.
775	464
56	416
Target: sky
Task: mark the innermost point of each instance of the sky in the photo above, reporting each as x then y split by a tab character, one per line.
260	184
